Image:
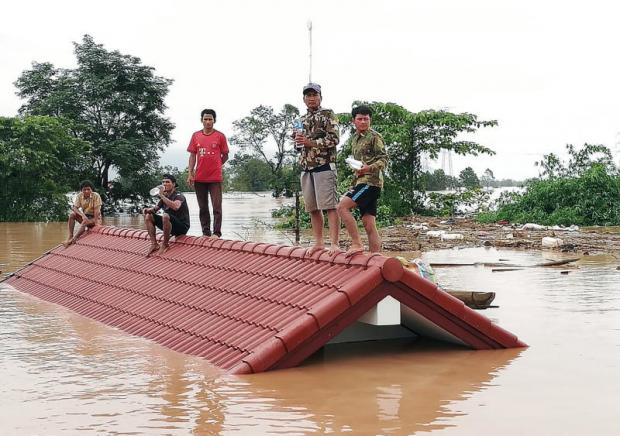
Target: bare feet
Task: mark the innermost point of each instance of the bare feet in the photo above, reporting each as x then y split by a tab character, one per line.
163	249
313	249
68	242
214	236
153	249
334	249
354	250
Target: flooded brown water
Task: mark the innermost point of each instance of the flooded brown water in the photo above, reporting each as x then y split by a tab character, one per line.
61	373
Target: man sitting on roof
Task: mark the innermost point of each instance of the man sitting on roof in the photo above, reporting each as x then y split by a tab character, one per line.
86	210
175	217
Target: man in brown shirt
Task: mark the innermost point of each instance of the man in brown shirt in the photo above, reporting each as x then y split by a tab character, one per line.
316	144
86	210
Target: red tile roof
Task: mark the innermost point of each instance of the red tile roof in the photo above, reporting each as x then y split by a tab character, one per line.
244	306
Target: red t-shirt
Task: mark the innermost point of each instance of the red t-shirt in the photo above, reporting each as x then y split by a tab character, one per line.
208	149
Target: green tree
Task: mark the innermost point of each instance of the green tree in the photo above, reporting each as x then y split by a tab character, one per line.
263	127
133	188
40	161
248	173
450	203
580	161
584	191
407	135
593	198
115	103
487	179
436	181
469	179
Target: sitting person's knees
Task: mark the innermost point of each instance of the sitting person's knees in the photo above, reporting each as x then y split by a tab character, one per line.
166	218
148	217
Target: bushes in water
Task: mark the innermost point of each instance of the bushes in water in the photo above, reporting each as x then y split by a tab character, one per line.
591	198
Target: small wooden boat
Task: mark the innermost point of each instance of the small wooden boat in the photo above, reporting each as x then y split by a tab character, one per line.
475	300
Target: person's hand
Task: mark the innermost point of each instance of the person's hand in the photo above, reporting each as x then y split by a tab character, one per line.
301	140
190	180
365	169
147	210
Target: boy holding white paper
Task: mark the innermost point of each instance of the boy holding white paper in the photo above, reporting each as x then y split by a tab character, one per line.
368	147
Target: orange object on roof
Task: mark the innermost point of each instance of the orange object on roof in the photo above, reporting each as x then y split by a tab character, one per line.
246	307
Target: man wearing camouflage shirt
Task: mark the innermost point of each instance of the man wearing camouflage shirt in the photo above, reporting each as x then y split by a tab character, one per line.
368	147
317	146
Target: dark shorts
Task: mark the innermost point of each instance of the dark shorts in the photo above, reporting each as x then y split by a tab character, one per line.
365	196
178	228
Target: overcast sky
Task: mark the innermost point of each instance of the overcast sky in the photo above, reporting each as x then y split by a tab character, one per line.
548	71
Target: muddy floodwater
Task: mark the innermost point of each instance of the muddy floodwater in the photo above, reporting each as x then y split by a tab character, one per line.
61	373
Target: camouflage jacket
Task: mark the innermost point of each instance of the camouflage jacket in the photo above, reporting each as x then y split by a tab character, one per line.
320	126
370	149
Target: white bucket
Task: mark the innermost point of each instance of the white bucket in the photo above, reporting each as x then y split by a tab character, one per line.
549	242
435	233
451	236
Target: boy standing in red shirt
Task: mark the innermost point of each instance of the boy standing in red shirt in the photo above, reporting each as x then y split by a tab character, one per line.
208	152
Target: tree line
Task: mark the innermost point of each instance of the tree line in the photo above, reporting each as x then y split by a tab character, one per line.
584	190
104	120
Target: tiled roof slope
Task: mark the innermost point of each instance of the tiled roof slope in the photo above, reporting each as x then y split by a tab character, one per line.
244	306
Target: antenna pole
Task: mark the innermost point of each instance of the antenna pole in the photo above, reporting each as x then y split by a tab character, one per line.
310	52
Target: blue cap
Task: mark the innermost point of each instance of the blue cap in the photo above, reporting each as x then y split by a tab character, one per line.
312	87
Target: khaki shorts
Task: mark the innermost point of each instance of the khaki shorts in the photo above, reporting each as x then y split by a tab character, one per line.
319	190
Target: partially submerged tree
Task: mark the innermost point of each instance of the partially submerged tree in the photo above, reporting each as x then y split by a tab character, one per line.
263	129
488	178
436	181
114	102
583	191
580	161
409	134
40	161
468	178
249	173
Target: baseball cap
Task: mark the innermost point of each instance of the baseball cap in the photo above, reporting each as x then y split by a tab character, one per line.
312	86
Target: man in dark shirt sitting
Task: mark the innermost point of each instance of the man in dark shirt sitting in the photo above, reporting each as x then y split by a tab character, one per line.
175	218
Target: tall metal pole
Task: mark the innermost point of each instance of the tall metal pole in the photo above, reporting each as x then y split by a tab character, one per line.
309	24
310	55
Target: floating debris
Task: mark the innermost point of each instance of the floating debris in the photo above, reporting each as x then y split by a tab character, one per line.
451	236
508	265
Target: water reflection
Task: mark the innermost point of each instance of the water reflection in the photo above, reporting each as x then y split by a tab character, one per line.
379	388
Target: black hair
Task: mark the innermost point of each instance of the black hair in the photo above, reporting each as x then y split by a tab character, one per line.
361	110
86	183
207	112
170	177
